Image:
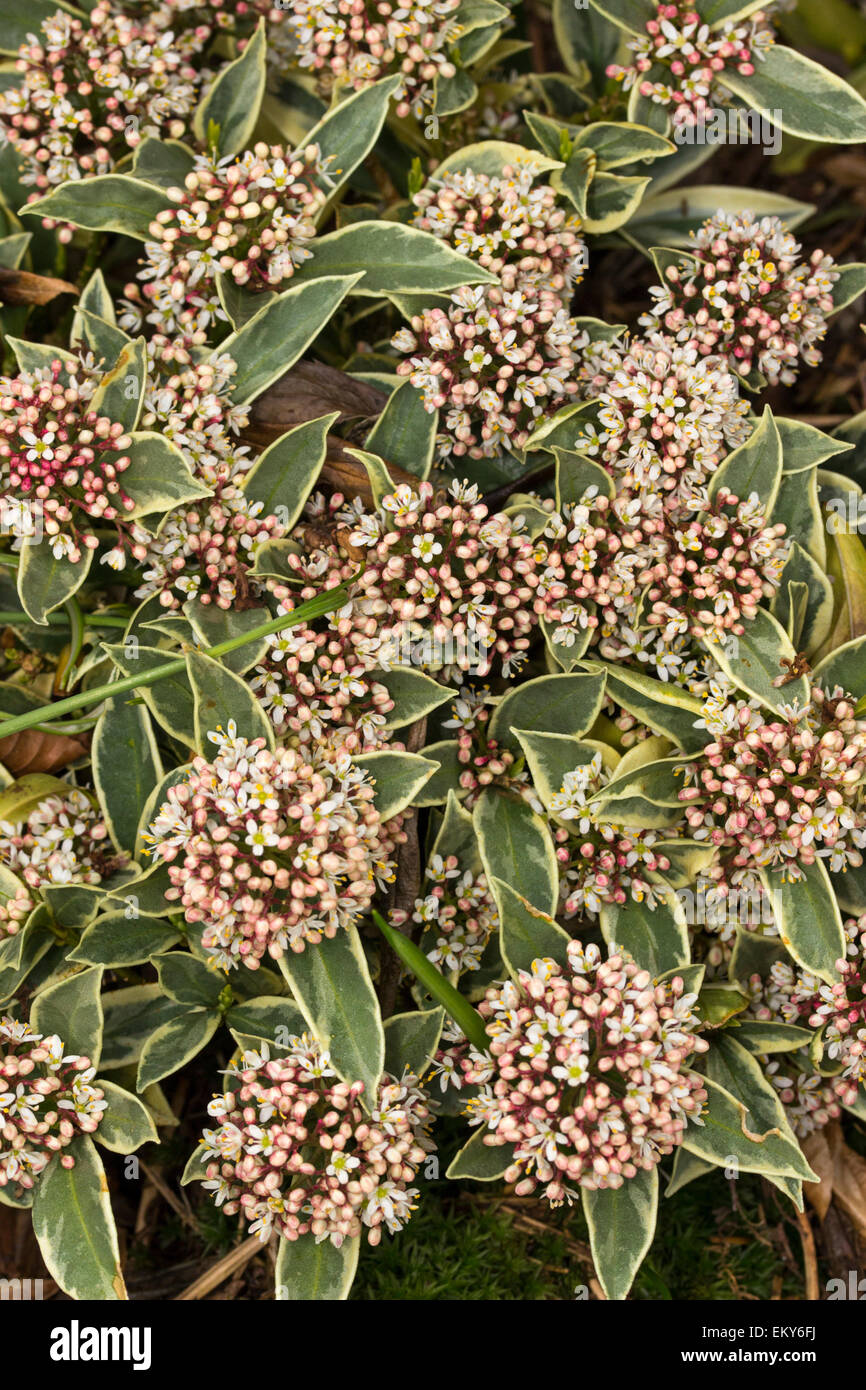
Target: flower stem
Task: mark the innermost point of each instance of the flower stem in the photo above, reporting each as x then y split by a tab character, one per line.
434	982
314	608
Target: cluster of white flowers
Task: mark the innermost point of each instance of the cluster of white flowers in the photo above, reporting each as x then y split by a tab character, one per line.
64	840
46	1101
457	915
296	1153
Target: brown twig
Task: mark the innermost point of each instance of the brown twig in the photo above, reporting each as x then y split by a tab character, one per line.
810	1261
177	1206
230	1264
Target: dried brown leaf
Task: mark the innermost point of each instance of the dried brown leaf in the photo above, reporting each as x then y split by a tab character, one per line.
817	1151
849	1179
22	287
35	751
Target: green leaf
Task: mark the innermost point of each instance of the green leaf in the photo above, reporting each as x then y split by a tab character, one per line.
415	694
174	1043
622	1222
120	394
516	846
332	986
846	666
190	981
274	339
797	507
686	1168
657	938
808	918
283	477
561	704
525	934
647	795
26	793
631	15
307	1271
725	1137
398	778
803	602
163	162
755	467
390	257
73	1010
804	446
232	103
126	767
670	217
550	758
801	96
127	1123
104	338
131	1015
74	1224
45	582
719	1003
585	39
576	474
434	982
107	203
405	433
265	1017
490	157
756	661
169	700
381	482
411	1040
219	698
158	477
763	1038
668	710
116	941
348	132
480	1161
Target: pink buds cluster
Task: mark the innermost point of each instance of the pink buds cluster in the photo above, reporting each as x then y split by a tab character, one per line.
441	567
317	684
14	910
46	1101
506	220
693	57
838	1009
781	791
271	852
458	915
487	763
64	840
599	864
62	457
352	43
296	1154
93	88
251	219
667	415
744	293
206	550
648	580
587	1072
497	360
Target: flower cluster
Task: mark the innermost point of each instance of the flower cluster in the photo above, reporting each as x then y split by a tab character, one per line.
271	852
295	1153
318	684
587	1072
496	360
780	792
811	1101
63	458
93	88
203	549
442	568
46	1101
667	415
839	1009
353	43
458	915
743	293
692	57
501	356
598	863
64	840
14	911
648	580
251	217
506	220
